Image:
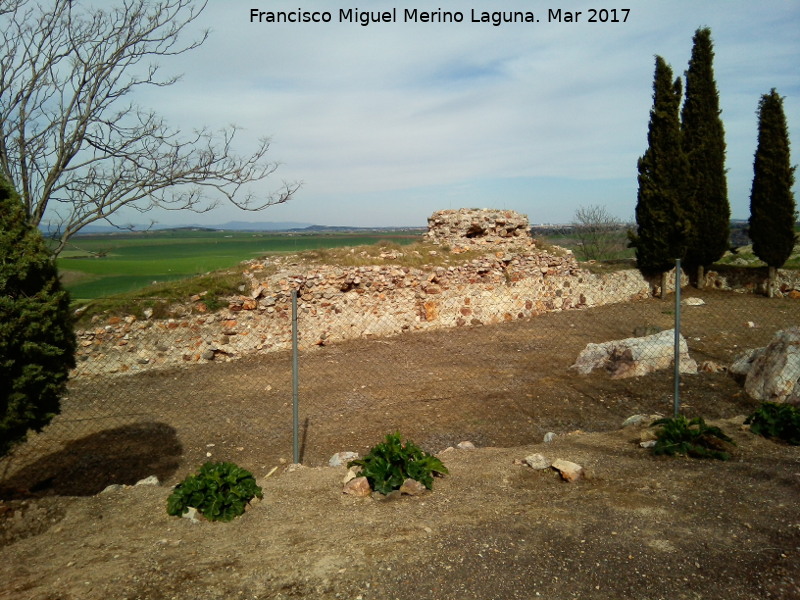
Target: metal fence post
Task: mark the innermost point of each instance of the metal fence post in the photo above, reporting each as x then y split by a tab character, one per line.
295	384
676	399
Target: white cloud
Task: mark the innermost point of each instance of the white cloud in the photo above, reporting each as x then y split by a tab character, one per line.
403	115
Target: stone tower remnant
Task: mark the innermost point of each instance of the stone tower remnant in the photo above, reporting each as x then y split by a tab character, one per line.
473	227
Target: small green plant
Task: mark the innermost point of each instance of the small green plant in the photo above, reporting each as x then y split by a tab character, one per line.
693	438
219	491
391	462
776	421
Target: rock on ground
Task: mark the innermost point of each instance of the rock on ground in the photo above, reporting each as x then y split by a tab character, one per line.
772	373
569	471
358	487
342	458
633	357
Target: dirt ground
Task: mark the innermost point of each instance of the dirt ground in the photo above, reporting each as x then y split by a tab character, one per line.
637	527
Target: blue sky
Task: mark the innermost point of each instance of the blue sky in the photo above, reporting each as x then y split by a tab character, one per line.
387	123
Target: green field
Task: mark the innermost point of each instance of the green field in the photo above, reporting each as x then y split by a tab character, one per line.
102	265
96	266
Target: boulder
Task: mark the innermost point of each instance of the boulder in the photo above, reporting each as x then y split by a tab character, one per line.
772	374
709	366
633	357
693	302
743	363
342	458
152	480
412	487
569	471
635	421
537	461
352	473
358	487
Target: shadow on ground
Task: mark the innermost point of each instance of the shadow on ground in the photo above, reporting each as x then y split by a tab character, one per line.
84	467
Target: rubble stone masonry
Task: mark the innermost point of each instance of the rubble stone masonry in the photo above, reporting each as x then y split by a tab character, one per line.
512	279
470	228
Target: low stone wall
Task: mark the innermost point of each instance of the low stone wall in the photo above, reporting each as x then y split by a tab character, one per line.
341	303
749	280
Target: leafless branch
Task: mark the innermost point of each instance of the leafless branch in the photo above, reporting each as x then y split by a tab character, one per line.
600	234
73	142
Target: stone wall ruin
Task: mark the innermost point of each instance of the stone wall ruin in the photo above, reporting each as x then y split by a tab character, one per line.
512	279
471	227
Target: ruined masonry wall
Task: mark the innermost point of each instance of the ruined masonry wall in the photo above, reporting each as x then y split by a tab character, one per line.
339	303
466	228
512	280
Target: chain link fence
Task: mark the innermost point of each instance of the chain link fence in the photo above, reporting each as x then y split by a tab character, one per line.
496	350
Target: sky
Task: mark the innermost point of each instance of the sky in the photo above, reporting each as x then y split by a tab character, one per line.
386	123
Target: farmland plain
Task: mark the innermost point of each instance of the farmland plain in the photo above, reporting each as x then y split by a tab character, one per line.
96	266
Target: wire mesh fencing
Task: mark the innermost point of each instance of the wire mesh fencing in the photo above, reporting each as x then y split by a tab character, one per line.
498	350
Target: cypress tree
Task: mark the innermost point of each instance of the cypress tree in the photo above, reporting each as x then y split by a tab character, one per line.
772	205
37	342
704	144
662	226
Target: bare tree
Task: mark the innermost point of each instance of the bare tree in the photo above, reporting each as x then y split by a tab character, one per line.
600	234
73	142
9	6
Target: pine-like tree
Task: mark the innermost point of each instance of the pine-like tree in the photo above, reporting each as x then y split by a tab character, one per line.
662	227
704	144
772	206
37	342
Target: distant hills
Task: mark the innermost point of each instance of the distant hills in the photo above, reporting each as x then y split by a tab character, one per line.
229	226
738	228
260	226
299	227
275	226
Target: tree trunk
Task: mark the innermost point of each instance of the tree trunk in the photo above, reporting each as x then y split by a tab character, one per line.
701	277
771	282
664	285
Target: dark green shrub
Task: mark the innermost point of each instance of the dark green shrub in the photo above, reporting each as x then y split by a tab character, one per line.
776	421
219	491
391	462
37	342
680	436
